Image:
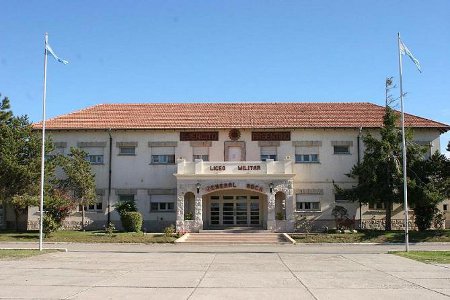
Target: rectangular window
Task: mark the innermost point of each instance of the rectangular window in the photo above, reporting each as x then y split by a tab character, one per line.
127	150
95	159
268	152
308	206
162	203
306	158
200	153
163	159
341	149
266	157
163	155
98	206
126	198
56	151
162	206
340	198
445	207
307	203
376	206
95	207
95	155
202	157
307	154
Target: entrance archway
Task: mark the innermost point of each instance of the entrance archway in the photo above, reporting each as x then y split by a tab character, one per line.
189	206
234	208
280	206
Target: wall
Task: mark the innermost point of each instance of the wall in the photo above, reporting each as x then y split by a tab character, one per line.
136	172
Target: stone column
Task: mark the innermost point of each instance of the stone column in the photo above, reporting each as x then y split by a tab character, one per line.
198	211
290	212
271	211
180	213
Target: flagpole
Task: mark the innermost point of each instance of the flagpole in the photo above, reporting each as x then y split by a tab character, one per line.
41	203
405	185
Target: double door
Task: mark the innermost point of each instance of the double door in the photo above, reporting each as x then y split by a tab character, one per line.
235	211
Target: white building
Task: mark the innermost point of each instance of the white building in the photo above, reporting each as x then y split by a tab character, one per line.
208	165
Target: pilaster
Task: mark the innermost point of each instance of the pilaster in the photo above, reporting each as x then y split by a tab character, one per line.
271	224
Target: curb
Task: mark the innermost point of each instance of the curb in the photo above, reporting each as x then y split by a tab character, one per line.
182	238
288	237
57	249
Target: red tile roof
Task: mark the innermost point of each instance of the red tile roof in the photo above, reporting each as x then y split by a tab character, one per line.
230	115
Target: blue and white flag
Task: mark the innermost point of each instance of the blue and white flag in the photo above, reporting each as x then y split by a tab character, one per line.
404	50
50	50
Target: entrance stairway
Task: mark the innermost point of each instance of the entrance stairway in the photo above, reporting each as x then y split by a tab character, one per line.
235	236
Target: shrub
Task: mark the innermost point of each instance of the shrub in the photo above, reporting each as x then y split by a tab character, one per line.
279	216
424	216
169	231
189	216
439	220
50	225
110	229
125	206
132	221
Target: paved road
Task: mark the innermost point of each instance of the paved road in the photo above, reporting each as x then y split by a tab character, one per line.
223	272
181	247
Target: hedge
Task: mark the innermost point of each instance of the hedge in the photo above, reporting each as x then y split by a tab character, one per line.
131	221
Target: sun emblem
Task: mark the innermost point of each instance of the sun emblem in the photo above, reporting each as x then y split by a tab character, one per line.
234	134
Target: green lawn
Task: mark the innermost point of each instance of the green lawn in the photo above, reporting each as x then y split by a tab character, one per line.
17	254
440	257
374	236
87	237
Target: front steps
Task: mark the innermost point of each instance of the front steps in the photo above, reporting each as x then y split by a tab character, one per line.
214	237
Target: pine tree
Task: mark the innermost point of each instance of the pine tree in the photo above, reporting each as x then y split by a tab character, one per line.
20	161
379	175
430	185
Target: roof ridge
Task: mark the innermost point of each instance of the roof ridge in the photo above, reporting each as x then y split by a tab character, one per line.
231	103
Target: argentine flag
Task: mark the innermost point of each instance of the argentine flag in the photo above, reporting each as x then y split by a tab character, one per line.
50	50
404	50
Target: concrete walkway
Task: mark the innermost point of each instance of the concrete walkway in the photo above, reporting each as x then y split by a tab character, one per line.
96	271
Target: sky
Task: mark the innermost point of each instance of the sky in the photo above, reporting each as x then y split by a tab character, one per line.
224	51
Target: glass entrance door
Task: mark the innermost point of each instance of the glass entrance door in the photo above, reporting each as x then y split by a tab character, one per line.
228	213
215	213
241	213
235	211
254	213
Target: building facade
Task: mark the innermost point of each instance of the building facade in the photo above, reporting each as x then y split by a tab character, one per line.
212	166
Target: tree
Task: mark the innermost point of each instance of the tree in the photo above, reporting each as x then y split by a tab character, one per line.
78	180
58	206
430	185
380	172
5	112
20	160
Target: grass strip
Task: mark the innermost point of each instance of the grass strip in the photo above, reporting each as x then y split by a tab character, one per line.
13	254
440	257
374	236
87	237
